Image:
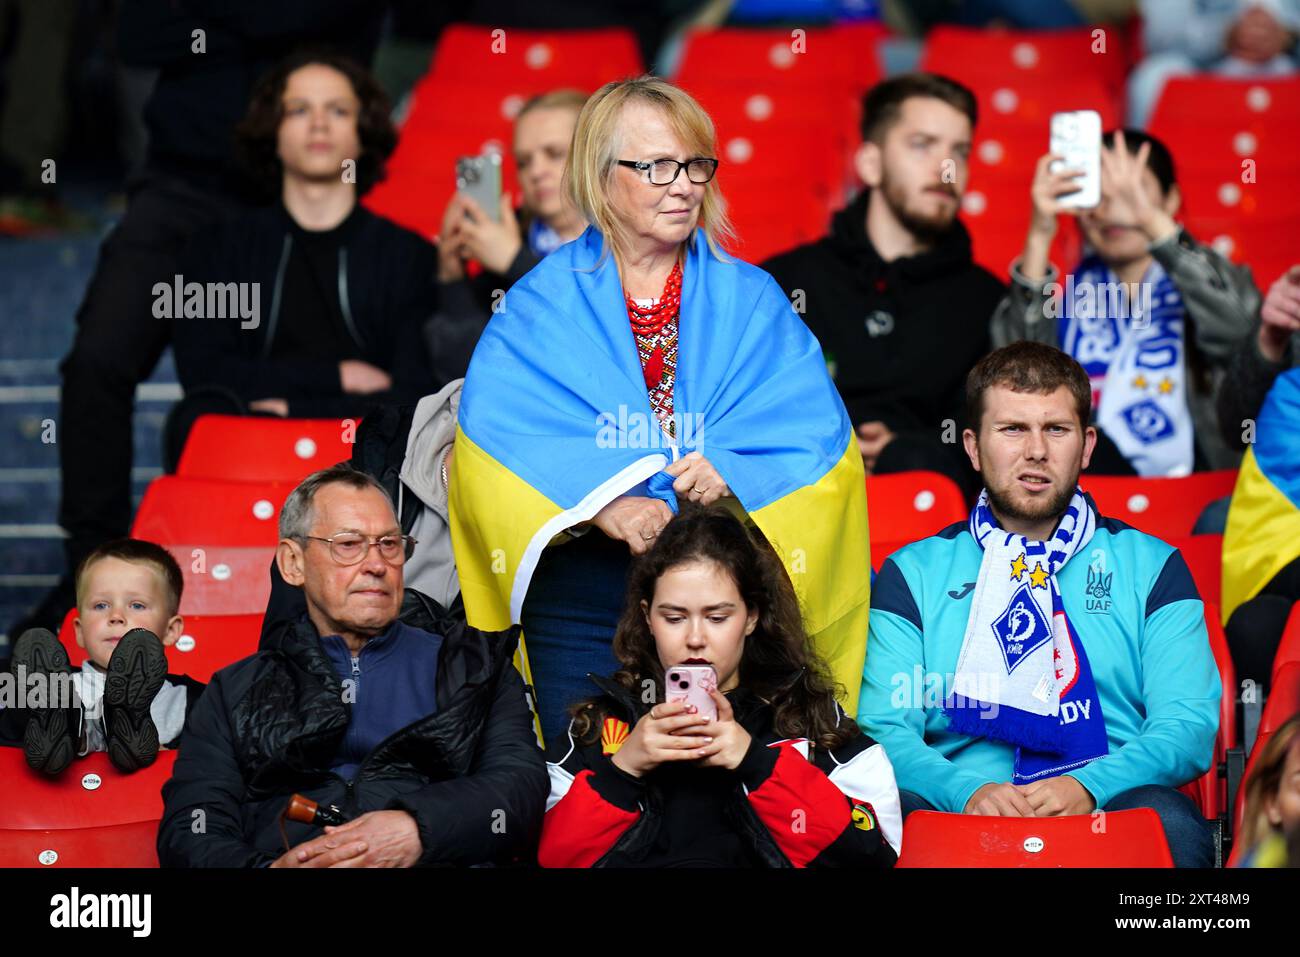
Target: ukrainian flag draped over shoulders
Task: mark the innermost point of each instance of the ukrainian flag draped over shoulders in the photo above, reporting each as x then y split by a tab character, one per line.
1263	533
555	423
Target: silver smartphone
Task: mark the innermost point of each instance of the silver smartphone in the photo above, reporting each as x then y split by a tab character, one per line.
1076	137
479	178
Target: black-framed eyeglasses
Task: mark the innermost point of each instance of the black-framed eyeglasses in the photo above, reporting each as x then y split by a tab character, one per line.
349	548
664	172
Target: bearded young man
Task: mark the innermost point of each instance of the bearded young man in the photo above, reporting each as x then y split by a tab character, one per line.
900	309
1070	649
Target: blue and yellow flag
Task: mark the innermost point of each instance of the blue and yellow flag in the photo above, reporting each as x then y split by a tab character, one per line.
1263	534
555	423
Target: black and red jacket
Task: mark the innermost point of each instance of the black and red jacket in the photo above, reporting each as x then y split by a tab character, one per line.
788	804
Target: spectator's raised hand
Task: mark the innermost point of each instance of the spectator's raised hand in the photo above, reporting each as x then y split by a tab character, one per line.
494	244
1279	316
451	267
1123	185
1046	192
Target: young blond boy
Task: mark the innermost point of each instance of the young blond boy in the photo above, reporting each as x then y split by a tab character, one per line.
124	701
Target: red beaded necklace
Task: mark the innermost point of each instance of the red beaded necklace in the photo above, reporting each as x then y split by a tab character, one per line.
649	321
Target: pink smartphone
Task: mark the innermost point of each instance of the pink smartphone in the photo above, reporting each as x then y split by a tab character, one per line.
692	684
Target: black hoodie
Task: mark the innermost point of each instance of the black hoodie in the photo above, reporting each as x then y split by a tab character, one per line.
899	337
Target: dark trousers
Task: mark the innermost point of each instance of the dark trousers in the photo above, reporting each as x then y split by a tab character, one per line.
569	616
1191	842
118	342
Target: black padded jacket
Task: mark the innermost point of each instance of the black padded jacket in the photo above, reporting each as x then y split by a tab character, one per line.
268	726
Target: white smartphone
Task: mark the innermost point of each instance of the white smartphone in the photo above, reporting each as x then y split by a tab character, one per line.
1076	137
479	177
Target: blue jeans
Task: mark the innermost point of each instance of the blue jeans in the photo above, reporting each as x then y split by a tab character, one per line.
573	605
1191	842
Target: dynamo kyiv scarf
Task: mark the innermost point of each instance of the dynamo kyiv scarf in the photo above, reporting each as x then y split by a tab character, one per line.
1134	353
1021	660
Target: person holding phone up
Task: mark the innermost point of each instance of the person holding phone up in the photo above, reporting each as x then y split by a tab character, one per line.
1152	314
764	770
504	242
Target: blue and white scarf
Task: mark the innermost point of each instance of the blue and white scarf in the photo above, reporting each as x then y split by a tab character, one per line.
1022	675
1134	353
542	239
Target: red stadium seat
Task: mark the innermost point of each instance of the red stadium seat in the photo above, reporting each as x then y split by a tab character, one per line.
1024	106
970	52
1288	650
1214	99
881	549
254	449
1283	699
908	506
1211	196
819	59
805	216
207	644
1264	242
210	511
1204	557
1210	790
90	793
1164	507
548	59
222	534
422	172
92	815
1283	703
117	845
995	210
1119	839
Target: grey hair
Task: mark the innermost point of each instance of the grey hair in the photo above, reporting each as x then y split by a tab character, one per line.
298	516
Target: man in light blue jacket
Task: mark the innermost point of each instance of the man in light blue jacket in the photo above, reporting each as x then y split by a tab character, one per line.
1041	638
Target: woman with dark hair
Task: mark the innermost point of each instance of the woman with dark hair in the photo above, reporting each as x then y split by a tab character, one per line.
780	777
323	301
1152	314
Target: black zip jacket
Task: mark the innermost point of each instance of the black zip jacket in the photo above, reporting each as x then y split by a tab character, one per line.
899	337
386	289
788	804
270	725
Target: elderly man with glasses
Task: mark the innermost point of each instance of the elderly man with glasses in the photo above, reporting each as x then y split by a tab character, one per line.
410	731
